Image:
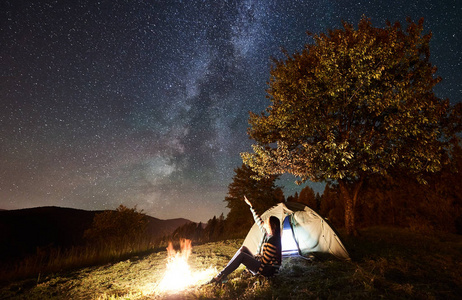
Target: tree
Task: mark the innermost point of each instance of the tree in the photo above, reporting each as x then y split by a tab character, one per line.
293	198
331	206
210	229
122	226
186	231
353	103
262	193
308	197
432	206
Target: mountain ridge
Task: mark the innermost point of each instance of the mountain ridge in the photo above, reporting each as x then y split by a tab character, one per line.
24	231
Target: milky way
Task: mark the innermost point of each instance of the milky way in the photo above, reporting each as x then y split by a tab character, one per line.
146	102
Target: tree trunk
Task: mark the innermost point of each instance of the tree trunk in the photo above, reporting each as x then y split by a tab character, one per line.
350	204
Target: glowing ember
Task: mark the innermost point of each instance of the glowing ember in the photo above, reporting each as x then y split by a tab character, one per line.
179	275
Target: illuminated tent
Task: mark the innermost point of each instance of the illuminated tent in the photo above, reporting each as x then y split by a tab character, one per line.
304	232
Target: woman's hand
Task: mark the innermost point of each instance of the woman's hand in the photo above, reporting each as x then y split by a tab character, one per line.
247	201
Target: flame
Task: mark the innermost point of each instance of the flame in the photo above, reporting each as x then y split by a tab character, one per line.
179	275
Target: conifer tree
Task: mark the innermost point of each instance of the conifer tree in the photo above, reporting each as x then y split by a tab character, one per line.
262	193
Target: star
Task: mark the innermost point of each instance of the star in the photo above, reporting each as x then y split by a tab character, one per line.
146	103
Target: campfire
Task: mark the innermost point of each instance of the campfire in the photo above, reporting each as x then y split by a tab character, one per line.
179	275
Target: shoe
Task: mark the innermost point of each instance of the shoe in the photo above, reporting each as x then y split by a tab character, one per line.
248	272
218	279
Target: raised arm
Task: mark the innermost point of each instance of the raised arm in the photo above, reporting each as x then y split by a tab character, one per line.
256	217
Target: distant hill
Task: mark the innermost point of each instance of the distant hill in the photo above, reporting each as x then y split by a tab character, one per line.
22	231
158	228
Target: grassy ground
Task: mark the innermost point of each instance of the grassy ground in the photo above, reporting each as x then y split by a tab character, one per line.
386	263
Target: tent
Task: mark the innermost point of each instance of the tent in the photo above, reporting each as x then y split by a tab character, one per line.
304	232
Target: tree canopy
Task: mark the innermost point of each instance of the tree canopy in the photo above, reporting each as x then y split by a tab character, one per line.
353	103
123	225
262	193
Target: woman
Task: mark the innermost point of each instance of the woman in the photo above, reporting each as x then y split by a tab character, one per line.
266	264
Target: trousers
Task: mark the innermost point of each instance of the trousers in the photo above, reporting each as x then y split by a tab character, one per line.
242	256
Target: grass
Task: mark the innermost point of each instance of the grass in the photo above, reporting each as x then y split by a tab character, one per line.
53	260
386	263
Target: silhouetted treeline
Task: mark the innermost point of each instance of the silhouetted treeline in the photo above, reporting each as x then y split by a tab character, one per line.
212	231
395	200
399	200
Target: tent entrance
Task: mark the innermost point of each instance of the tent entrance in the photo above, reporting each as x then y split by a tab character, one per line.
303	232
288	243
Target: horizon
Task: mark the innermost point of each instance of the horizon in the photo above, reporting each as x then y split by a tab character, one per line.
317	185
35	207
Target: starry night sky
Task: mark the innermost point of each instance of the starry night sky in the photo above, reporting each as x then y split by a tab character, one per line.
146	102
